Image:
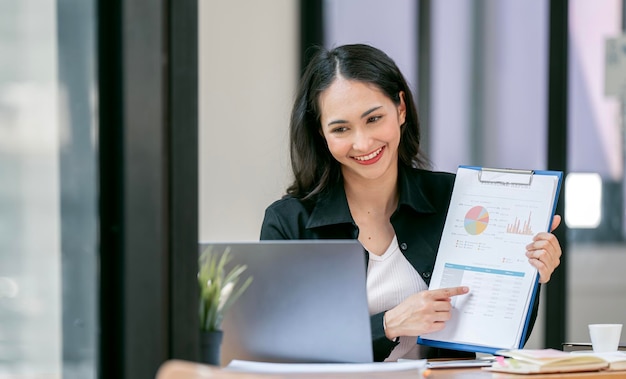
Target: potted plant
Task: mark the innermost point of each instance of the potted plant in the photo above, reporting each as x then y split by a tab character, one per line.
219	289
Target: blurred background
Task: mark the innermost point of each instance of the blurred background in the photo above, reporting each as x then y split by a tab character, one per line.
496	85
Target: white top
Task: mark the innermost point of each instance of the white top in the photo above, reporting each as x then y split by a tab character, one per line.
390	280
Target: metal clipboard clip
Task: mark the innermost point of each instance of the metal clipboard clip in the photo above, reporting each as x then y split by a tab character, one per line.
505	176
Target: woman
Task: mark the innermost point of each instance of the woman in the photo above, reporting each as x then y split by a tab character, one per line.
359	174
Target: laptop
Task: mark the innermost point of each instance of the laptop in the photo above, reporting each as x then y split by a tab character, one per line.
307	303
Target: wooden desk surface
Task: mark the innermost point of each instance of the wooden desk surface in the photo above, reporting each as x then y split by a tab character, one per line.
176	369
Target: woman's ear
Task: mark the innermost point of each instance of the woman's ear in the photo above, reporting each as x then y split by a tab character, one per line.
402	108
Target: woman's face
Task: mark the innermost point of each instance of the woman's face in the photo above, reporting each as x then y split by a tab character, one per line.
361	126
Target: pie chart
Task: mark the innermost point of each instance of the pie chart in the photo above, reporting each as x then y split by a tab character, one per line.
476	220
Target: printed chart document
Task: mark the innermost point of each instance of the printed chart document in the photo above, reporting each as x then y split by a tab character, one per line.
493	215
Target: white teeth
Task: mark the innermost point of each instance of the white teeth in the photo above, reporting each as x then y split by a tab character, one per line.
370	156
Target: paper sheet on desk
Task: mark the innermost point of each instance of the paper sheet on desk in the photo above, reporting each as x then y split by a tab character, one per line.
266	367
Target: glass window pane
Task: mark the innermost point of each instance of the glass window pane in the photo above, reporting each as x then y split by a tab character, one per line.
377	23
489	83
597	249
47	192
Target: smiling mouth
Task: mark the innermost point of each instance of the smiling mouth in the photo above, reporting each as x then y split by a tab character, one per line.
370	156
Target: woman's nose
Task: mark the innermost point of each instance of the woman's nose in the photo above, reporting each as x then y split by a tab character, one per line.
362	141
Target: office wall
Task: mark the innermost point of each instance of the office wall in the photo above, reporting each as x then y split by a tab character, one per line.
248	68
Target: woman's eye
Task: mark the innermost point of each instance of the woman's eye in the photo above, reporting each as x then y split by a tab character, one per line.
374	119
340	129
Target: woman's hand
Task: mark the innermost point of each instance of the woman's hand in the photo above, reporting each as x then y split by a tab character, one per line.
423	312
544	253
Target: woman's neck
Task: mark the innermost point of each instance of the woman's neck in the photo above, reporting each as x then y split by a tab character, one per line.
379	196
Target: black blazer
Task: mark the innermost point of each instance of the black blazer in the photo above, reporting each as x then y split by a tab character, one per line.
424	197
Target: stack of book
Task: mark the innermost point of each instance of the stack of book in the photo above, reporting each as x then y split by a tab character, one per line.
534	361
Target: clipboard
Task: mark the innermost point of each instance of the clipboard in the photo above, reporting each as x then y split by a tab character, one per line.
493	214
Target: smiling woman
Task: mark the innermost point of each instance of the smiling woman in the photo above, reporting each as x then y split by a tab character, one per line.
355	149
359	174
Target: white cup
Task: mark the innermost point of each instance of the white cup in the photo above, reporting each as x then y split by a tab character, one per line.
605	337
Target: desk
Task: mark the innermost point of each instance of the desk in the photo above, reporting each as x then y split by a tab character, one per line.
176	369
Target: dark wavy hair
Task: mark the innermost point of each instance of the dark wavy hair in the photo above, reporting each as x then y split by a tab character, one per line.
313	166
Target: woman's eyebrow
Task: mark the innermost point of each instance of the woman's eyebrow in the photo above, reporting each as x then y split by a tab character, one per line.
364	114
367	112
336	122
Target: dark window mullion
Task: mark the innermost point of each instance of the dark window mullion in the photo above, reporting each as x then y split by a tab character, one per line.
556	289
311	29
183	184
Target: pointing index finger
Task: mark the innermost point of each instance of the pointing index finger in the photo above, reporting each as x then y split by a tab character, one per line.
442	293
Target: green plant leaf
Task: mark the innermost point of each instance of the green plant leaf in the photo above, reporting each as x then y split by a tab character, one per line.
218	289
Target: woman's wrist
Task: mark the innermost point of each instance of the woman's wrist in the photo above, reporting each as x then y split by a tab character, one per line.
387	332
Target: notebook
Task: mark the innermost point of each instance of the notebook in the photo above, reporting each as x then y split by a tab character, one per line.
307	303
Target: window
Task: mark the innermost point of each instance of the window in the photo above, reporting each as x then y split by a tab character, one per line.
48	206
